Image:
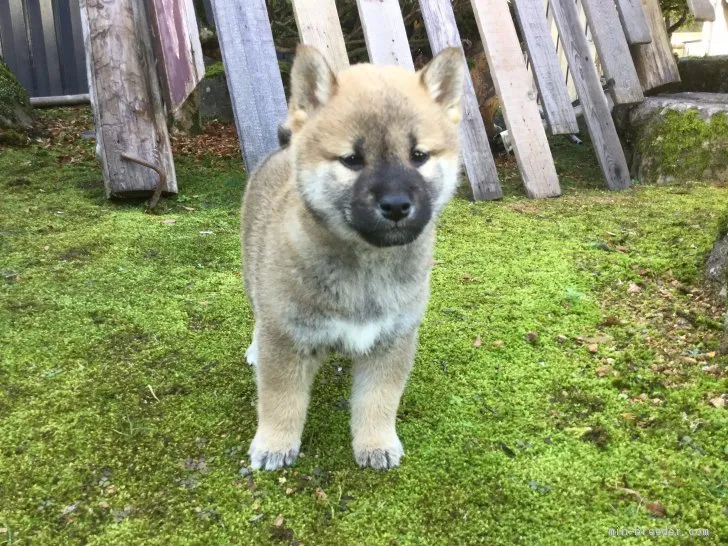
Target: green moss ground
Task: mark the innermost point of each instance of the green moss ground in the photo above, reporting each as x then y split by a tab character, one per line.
126	407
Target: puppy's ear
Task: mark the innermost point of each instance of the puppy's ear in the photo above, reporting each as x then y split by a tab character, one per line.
444	78
312	84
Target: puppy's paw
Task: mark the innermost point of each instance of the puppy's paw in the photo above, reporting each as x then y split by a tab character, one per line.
251	355
265	456
380	457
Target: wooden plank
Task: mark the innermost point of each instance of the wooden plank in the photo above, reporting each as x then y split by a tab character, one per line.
702	10
127	100
634	22
176	40
588	85
545	65
67	60
318	26
613	51
520	108
384	33
655	62
442	32
18	50
253	77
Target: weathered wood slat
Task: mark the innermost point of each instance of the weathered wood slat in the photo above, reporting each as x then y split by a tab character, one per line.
442	32
384	32
634	21
613	51
596	109
253	76
16	47
702	10
318	26
38	55
550	79
125	92
654	62
176	40
520	108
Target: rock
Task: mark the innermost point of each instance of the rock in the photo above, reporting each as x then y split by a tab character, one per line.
215	99
16	114
679	137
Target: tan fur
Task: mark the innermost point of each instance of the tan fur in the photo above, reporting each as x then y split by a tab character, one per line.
314	283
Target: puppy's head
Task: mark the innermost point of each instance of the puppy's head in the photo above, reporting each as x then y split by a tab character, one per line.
375	148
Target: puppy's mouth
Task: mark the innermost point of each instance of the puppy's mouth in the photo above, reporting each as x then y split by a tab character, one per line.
395	234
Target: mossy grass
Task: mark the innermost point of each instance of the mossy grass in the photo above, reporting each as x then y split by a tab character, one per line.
126	406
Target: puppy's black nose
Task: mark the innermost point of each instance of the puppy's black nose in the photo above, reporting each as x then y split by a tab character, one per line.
395	206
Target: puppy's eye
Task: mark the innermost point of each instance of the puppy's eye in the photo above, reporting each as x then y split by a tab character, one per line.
354	161
419	158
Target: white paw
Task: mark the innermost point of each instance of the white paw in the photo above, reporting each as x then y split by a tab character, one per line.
262	455
381	457
251	354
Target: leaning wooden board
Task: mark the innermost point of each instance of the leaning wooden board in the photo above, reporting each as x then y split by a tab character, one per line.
655	62
613	50
702	10
318	26
588	85
549	77
178	50
253	76
520	109
384	33
442	32
634	21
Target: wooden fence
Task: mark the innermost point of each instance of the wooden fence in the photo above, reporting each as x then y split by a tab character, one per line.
601	52
42	43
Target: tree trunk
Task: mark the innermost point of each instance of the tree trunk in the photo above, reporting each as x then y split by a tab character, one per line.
125	93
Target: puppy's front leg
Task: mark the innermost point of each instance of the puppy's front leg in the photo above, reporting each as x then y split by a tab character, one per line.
379	381
284	379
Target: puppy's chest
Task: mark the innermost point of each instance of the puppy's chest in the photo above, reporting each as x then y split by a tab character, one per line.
354	311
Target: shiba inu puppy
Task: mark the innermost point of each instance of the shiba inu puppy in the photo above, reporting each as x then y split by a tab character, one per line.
338	237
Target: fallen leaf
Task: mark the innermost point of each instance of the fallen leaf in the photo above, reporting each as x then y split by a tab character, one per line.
289	491
603	370
593	347
206	232
634	288
561	338
498	343
278	521
656	509
282	480
611	320
320	495
629	416
531	337
598	339
623	249
111	489
477	342
168	221
718	401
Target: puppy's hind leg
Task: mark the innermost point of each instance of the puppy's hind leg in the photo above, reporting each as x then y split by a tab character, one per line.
379	381
284	377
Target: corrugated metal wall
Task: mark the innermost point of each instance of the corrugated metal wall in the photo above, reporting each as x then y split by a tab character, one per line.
42	43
